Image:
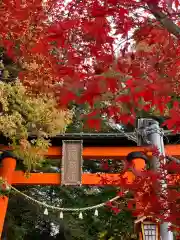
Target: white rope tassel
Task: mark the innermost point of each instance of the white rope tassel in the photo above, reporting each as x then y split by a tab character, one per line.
61	215
46	211
96	213
80	215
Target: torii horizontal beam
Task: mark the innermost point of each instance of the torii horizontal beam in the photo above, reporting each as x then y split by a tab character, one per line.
106	152
87	179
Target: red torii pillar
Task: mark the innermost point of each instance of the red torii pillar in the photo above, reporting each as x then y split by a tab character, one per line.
6	172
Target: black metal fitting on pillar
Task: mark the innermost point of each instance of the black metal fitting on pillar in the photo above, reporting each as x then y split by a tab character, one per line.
6	154
134	155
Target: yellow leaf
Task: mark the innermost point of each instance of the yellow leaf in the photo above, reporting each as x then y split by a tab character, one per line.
102	234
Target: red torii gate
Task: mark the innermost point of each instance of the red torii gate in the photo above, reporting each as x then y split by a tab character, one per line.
7	171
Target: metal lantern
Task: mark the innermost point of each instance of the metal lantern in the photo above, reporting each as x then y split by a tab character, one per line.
148	228
150	231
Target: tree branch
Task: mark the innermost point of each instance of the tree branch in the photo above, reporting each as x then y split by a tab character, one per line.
164	20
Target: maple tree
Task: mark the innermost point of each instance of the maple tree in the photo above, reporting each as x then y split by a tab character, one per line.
123	53
68	48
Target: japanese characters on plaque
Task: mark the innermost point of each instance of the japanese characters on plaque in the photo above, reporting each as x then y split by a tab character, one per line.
71	169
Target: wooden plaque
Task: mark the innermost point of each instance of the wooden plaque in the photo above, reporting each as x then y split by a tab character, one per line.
71	169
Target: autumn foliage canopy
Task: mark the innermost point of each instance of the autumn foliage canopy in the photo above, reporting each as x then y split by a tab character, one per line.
124	54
